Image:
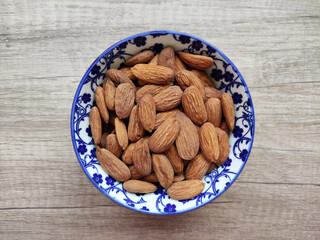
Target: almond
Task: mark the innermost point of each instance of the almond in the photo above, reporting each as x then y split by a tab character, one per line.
153	74
185	189
119	77
163	169
209	142
214	111
178	65
135	129
167	58
187	141
99	98
147	112
196	61
224	127
113	145
127	71
175	159
103	142
149	89
152	177
178	178
212	166
204	78
162	116
142	57
187	78
124	100
168	98
138	186
141	158
228	110
224	147
164	136
134	173
112	117
212	92
197	168
121	133
154	60
110	94
95	125
113	165
127	154
193	105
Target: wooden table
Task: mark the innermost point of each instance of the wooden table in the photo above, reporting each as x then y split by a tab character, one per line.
46	47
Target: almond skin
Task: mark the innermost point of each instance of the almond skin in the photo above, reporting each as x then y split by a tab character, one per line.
175	159
209	142
134	173
121	133
212	166
196	61
153	74
141	158
185	189
127	154
103	142
214	111
212	92
228	110
119	77
154	60
187	78
179	65
162	116
197	168
138	186
187	141
163	169
193	105
110	95
135	129
127	71
99	98
113	145
224	146
147	112
149	89
152	177
142	57
224	127
167	58
204	78
168	98
95	125
124	100
178	178
164	136
113	165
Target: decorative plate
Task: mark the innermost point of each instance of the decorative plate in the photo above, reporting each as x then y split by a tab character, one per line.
226	78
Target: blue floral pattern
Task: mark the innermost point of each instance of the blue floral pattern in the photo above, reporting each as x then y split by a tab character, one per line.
225	77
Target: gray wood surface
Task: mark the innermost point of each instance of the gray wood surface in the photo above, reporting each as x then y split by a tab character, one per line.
46	47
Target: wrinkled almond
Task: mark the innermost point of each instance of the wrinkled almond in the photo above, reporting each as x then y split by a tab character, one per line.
175	159
178	178
187	78
209	142
185	189
124	100
224	127
99	98
127	154
197	168
135	129
168	98
212	166
147	112
204	78
149	89
110	94
196	61
119	77
134	173
153	74
214	111
121	133
228	110
142	57
162	116
224	146
154	60
103	142
212	92
163	169
167	58
95	124
152	177
179	65
127	71
138	186
141	157
113	145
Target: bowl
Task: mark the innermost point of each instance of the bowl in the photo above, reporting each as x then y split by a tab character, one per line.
225	76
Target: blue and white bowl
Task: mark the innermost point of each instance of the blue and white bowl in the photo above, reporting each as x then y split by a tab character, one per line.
225	77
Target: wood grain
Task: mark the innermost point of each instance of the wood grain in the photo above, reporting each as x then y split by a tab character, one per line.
46	47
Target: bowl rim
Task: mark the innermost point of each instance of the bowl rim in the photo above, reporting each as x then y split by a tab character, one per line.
110	49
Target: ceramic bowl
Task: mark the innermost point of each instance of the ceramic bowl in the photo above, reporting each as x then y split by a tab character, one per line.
225	76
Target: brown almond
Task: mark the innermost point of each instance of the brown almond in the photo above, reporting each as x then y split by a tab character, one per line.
127	71
175	159
196	61
228	110
164	136
99	98
95	124
212	92
162	116
113	145
185	189
153	74
112	117
179	65
197	168
187	141
193	105
103	142
209	142
134	173
135	129
224	146
121	133
212	166
178	178
204	78
224	127
147	112
167	58
127	154
154	60
124	100
110	94
152	177
163	169
119	77
187	78
138	186
214	111
113	165
149	89
141	157
142	57
168	98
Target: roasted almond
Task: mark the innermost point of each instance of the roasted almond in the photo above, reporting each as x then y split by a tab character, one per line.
187	141
185	189
127	71
147	112
127	154
134	173
228	110
197	168
152	177
142	57
167	58
138	186
154	60
209	142
212	166
179	65
168	98
224	127
187	78
224	146
135	129
141	157
149	89
212	92
175	159
204	78
110	94
99	98
124	100
214	111
113	165
196	61
193	105
103	142
119	77
163	169
95	125
113	145
162	116
153	74
178	178
121	133
164	136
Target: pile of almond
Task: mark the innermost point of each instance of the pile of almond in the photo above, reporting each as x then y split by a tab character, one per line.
160	120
